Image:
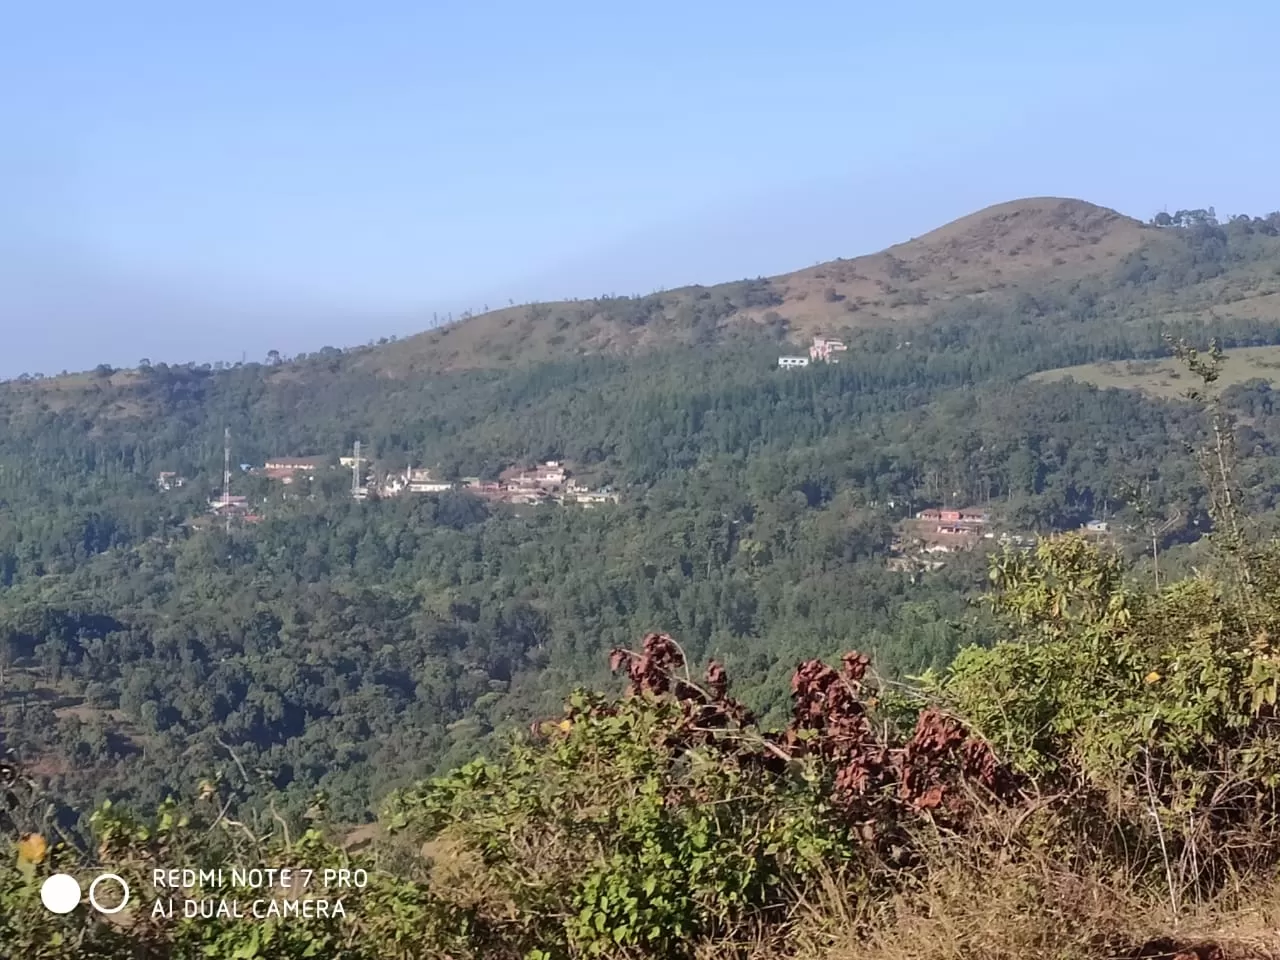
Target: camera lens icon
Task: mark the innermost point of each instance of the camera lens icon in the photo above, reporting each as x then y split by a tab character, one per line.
61	893
93	893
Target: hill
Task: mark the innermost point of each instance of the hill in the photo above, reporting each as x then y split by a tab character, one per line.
1037	261
1132	815
995	250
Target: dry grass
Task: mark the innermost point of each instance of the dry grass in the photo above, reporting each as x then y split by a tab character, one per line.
986	251
1018	911
1003	896
1023	911
992	897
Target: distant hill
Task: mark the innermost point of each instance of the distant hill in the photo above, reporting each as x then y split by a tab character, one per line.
1077	272
1011	244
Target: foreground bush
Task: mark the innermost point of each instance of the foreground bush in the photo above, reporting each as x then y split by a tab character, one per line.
1148	720
667	821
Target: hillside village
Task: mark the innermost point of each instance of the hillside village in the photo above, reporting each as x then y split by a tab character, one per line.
550	482
924	542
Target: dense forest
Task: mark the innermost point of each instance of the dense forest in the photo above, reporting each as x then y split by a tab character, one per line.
1103	769
352	647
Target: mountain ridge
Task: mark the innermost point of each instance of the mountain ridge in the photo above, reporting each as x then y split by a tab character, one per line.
1033	256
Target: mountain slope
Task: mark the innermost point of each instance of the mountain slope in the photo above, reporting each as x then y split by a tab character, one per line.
989	251
1060	281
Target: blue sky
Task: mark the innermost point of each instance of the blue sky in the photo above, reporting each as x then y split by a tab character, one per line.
184	183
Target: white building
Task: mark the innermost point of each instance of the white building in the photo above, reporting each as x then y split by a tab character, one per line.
825	349
551	474
429	486
789	362
596	496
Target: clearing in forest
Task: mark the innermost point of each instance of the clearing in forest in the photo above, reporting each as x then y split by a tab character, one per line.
1165	378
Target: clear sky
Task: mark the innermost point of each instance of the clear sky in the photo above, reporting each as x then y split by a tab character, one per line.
190	181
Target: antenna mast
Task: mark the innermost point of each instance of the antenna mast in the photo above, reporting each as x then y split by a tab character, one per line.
226	476
355	471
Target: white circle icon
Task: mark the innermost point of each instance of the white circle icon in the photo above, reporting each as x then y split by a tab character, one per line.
60	893
93	893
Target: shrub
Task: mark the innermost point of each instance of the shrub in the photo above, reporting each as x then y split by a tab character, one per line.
667	821
1155	713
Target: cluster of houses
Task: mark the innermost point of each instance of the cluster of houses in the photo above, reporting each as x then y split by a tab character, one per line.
236	507
549	482
925	540
413	480
226	507
822	350
936	532
956	523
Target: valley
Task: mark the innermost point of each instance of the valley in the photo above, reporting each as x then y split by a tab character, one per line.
750	499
